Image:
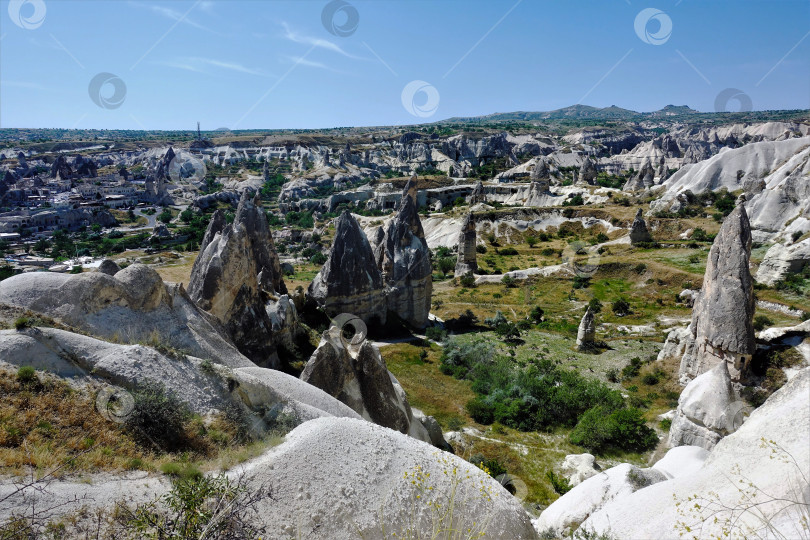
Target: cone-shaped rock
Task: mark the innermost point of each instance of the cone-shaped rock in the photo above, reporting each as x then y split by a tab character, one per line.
236	269
466	261
638	231
406	264
586	334
478	195
358	376
722	319
587	172
643	179
349	281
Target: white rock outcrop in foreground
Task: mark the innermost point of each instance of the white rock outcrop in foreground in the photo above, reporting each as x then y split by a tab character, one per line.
342	479
780	472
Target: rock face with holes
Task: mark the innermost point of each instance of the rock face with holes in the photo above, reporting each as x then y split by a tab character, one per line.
234	276
638	231
356	374
405	262
586	334
722	319
349	281
466	261
707	410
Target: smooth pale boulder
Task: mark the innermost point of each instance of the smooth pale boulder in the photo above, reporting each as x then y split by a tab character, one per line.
338	478
777	469
781	260
708	410
682	461
566	513
586	333
579	467
133	306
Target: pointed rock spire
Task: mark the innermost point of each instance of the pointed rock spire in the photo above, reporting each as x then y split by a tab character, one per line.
586	334
349	281
405	262
722	319
236	270
466	261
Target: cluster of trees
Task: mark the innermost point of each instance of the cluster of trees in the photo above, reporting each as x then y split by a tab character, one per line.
544	395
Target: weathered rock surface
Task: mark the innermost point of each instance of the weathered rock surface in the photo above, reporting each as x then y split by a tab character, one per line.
638	231
722	319
340	479
781	260
466	261
349	281
133	306
235	272
785	419
679	343
643	179
108	267
477	195
579	467
405	264
587	172
586	334
566	513
708	410
357	376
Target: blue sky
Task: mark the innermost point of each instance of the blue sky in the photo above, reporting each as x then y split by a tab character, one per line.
273	64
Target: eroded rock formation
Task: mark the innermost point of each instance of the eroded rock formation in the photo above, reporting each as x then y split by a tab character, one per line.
587	172
722	319
356	375
234	276
638	231
707	410
466	261
349	281
405	262
586	334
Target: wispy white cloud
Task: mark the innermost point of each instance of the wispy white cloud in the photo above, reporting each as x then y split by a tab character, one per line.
295	37
300	60
23	84
172	14
207	6
199	65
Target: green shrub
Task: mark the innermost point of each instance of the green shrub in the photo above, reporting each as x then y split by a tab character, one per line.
650	379
157	419
27	375
595	305
624	429
612	375
435	333
621	307
665	424
559	483
318	259
22	323
632	369
509	281
467	280
480	248
761	321
508	251
536	314
492	466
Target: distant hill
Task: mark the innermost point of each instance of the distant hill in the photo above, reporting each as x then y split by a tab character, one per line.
588	114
